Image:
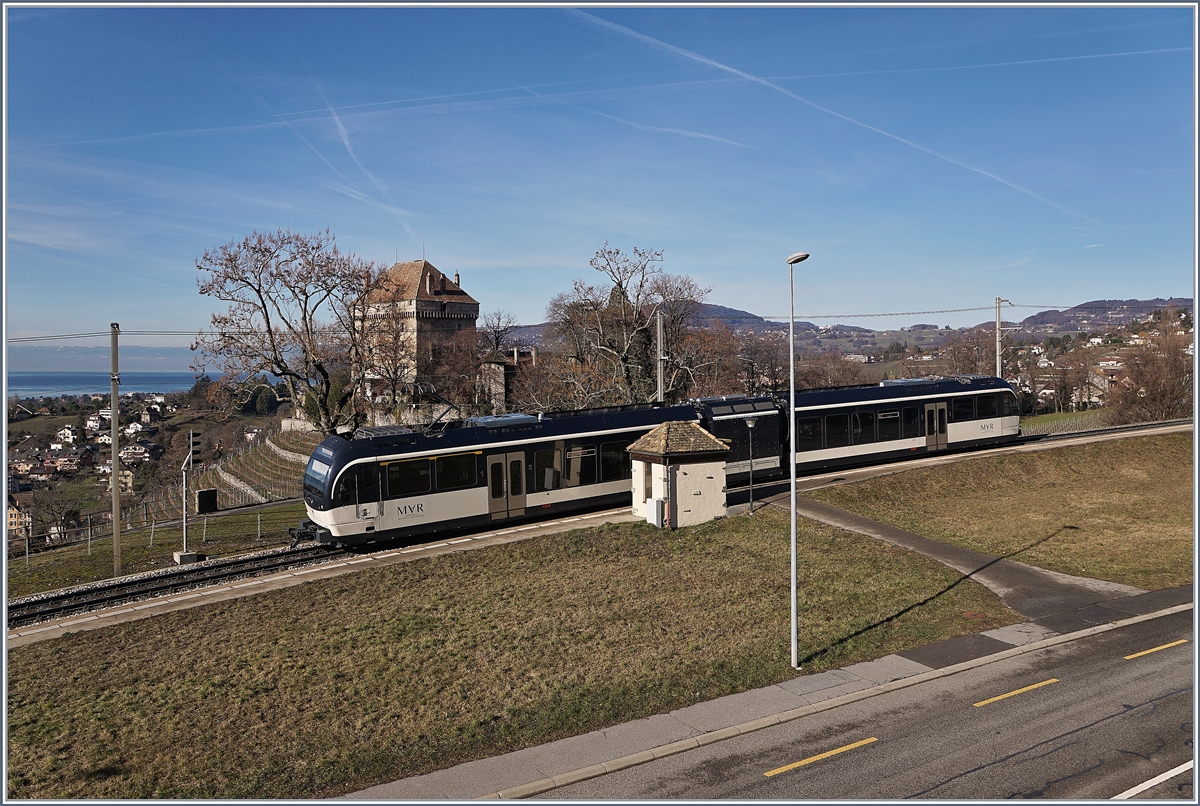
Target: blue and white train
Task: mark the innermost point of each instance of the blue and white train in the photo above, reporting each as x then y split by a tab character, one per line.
391	482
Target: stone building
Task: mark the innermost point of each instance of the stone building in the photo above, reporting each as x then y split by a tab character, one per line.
678	475
413	312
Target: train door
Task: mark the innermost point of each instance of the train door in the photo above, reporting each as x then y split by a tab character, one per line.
506	484
935	426
366	494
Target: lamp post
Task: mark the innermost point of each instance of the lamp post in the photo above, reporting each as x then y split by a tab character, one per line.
750	421
792	261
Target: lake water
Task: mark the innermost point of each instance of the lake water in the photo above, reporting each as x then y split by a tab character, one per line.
53	384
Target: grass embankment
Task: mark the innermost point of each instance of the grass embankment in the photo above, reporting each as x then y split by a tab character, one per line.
1119	510
223	535
339	684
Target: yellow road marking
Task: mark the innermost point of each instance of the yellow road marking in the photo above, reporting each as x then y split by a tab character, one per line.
826	754
1148	651
1018	691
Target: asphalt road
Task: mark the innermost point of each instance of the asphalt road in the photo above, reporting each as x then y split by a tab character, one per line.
1080	721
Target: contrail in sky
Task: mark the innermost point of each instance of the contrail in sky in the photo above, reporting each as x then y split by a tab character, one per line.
711	63
989	64
642	126
383	191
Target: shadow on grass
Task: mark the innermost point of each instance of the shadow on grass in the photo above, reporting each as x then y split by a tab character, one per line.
889	619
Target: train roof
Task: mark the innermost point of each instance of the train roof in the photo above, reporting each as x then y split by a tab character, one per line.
897	388
479	432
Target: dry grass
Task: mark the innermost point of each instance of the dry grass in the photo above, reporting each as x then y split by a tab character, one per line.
339	684
1119	510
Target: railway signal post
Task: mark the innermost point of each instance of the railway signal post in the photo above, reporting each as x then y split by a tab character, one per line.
193	445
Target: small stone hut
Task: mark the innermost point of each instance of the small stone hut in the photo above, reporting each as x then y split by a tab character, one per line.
678	475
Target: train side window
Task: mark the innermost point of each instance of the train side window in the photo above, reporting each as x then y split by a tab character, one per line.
808	434
516	476
408	478
547	470
497	489
910	422
346	488
962	409
985	406
581	465
864	427
455	472
1008	405
837	430
889	425
614	461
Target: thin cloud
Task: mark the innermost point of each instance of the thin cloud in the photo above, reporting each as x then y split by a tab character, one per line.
512	102
643	126
658	44
662	130
979	66
1093	245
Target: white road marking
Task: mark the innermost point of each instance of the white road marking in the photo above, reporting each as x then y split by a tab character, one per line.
1155	781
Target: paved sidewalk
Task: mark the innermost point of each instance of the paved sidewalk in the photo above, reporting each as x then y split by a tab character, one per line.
1057	607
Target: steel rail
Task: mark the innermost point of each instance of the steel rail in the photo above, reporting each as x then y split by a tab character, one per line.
96	597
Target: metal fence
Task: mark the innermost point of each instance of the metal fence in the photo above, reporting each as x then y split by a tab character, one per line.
1084	421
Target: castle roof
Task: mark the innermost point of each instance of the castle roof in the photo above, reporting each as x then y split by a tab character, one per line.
417	280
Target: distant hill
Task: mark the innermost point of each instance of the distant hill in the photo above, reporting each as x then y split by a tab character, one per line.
1100	314
1097	315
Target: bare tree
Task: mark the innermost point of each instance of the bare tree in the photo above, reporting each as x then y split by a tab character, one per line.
494	330
1158	381
561	383
611	323
295	312
765	363
971	352
826	369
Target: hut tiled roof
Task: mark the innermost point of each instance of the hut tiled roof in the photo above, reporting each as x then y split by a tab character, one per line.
677	439
411	281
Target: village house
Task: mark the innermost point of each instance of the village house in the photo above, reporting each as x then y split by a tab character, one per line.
95	423
20	523
134	453
151	415
68	433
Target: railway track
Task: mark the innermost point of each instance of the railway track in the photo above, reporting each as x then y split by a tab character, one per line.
60	604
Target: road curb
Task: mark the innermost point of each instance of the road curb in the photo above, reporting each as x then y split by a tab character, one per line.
711	737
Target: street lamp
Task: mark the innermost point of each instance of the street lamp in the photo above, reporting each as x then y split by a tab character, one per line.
792	261
750	421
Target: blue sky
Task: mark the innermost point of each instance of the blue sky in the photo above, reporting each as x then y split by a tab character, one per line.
927	158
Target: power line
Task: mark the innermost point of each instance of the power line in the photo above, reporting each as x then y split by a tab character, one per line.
1060	308
1148	306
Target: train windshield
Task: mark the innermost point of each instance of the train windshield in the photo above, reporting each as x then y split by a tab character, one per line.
315	476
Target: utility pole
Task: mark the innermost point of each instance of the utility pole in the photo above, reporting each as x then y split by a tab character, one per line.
662	360
114	379
999	337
